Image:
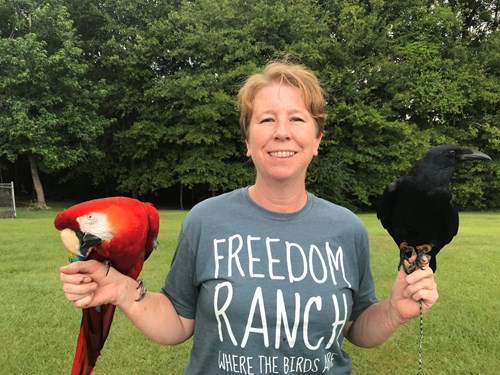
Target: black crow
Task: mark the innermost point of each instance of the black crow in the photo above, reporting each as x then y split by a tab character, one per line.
419	211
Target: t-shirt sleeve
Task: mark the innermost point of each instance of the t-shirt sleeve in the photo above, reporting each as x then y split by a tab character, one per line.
365	291
179	285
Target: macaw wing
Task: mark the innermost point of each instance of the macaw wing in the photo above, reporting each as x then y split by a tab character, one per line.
154	227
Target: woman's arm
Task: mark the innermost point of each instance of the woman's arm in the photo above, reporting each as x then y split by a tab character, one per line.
90	283
379	321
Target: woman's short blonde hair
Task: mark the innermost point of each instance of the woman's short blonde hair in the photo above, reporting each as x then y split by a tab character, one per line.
287	73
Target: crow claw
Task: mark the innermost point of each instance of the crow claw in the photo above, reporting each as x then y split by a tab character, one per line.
407	251
422	251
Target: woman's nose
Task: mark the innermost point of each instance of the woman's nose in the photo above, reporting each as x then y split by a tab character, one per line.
282	129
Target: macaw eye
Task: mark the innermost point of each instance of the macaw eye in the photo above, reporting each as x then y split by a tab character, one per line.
90	218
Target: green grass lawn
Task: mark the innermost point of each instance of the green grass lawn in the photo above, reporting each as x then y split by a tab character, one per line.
39	327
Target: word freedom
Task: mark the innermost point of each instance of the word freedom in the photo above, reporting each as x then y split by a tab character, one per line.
300	262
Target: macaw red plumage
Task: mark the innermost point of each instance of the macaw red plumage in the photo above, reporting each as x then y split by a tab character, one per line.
119	230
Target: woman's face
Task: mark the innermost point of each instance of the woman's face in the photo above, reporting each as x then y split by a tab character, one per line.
282	136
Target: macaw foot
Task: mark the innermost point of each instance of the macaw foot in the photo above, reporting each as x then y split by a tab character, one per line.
406	252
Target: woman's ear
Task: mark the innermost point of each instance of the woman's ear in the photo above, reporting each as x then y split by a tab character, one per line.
316	147
248	153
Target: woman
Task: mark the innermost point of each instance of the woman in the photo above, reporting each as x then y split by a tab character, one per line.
273	276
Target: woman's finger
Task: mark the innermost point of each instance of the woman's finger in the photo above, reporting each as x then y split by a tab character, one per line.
83	302
75	279
79	289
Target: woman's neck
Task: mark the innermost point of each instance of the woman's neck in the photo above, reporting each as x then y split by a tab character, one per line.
279	197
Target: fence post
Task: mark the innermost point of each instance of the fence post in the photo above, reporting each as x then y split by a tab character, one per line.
13	199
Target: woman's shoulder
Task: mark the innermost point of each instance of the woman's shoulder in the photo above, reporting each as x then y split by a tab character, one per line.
216	203
336	211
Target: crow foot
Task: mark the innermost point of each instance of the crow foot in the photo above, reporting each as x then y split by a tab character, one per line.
422	257
407	252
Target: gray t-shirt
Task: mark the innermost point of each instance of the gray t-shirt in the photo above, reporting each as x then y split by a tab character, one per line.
270	292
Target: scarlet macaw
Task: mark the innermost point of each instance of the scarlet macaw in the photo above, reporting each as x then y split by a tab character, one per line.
118	230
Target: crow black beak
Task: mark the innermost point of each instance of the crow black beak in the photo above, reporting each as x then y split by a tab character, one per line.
474	155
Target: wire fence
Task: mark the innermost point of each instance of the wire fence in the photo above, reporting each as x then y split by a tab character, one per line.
7	200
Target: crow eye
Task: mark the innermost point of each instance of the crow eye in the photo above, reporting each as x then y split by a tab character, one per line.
452	152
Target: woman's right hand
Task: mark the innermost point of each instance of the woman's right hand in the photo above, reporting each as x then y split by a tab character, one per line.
90	283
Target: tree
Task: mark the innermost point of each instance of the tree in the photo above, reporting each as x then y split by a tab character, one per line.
480	17
214	46
47	110
121	41
175	74
403	79
144	91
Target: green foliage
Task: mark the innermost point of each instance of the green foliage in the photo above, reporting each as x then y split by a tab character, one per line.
140	95
47	108
400	86
177	84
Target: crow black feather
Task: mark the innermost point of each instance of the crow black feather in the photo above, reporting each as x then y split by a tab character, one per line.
419	211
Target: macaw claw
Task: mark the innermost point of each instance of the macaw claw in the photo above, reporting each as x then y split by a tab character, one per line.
107	263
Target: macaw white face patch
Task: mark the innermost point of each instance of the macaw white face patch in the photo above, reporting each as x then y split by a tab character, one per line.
97	224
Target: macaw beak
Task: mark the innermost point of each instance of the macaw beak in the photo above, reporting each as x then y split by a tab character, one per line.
78	243
87	240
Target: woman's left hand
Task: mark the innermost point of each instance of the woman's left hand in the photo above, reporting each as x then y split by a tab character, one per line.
409	290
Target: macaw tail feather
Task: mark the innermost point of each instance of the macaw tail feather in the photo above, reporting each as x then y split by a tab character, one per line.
94	329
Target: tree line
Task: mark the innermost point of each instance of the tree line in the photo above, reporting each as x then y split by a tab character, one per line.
138	97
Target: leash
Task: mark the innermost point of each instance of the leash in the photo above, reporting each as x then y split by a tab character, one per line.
421	341
420	303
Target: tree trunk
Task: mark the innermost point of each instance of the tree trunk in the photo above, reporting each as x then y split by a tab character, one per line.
40	196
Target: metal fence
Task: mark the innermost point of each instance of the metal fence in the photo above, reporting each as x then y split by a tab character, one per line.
7	200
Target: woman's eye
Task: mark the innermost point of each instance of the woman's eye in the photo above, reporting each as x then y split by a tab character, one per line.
297	119
269	119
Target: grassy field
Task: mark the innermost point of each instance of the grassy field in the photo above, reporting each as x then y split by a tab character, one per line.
38	326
